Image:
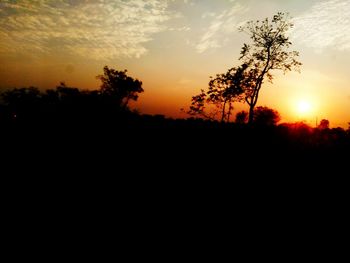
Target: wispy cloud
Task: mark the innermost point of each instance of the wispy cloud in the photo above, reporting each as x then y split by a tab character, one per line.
190	2
221	26
326	25
98	29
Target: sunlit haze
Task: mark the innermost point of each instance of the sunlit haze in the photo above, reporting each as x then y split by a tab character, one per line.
304	107
174	46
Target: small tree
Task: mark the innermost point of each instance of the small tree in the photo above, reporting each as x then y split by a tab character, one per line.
223	91
266	116
241	117
324	124
119	87
269	51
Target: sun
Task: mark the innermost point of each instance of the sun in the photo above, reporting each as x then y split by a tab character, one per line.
303	107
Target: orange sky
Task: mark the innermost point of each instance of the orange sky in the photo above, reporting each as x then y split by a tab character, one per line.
173	47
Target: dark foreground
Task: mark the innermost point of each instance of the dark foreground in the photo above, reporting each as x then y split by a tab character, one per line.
147	172
157	145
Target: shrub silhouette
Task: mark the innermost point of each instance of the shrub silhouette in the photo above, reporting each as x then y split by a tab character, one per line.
324	124
241	117
266	116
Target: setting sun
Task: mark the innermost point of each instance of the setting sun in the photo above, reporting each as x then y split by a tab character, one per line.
303	107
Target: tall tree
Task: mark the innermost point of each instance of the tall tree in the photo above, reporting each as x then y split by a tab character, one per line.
268	51
119	87
223	91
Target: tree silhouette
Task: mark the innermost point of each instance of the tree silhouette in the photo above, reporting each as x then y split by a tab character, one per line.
324	124
64	92
22	102
266	116
241	117
222	92
68	105
118	88
268	52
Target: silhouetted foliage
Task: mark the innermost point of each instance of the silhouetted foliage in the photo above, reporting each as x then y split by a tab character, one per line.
266	116
118	87
298	134
268	52
241	117
23	102
324	124
217	101
59	117
63	104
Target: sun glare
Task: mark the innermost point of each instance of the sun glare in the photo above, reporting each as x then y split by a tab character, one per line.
303	107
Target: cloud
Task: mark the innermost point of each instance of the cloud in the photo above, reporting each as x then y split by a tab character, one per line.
326	25
221	26
190	2
95	29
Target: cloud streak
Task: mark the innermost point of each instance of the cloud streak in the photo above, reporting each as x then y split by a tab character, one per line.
221	26
326	25
98	29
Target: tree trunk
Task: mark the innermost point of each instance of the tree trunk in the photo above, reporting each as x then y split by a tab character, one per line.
251	114
229	112
253	102
223	112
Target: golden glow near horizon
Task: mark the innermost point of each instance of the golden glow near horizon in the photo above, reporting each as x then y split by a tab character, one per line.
173	46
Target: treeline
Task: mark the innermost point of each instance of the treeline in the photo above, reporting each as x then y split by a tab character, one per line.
110	105
68	107
94	123
68	104
63	104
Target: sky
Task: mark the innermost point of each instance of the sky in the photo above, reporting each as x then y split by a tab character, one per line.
174	46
